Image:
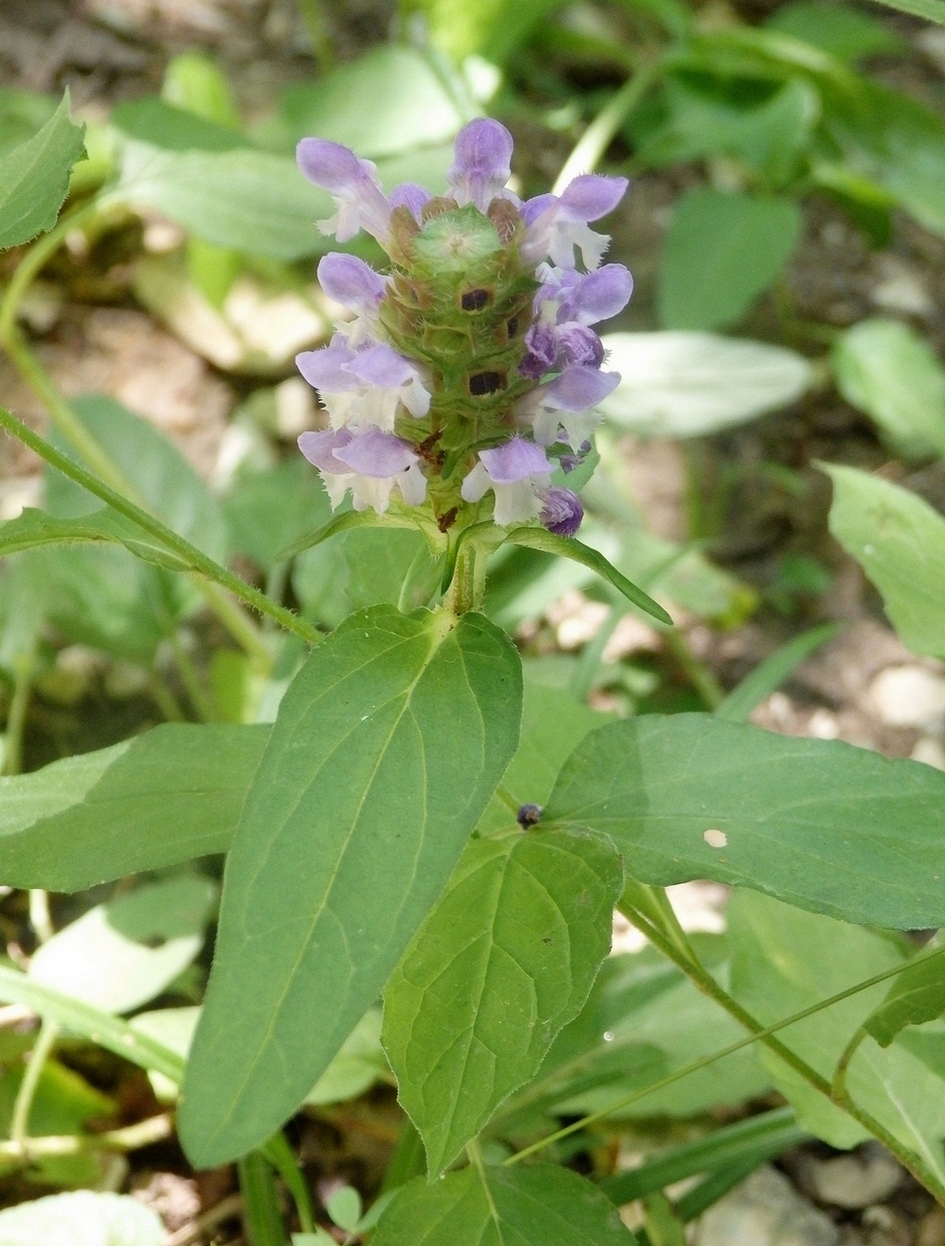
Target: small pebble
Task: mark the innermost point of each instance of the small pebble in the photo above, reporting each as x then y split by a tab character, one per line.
765	1210
868	1175
909	696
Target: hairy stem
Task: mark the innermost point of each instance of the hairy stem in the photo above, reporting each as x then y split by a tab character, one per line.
190	554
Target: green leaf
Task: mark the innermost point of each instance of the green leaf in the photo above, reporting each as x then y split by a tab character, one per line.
886	369
172	128
932	10
522	1205
344	1207
838	29
893	141
169	795
387	746
270	511
722	251
773	671
553	724
393	98
34	178
818	823
81	1216
119	955
916	996
687	384
245	199
32	529
710	116
568	547
91	1023
505	959
899	540
357	1066
785	960
654	1023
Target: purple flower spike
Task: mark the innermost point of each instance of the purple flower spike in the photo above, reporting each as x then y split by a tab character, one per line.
350	281
352	184
561	511
410	195
481	167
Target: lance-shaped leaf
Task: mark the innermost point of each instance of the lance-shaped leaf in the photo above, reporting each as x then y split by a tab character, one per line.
916	996
168	795
33	529
34	178
387	746
818	823
523	1205
506	958
568	547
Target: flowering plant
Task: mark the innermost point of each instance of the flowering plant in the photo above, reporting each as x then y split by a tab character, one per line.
470	372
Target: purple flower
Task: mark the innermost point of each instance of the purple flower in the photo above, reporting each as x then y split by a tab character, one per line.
558	226
515	472
350	281
567	401
594	296
483	150
561	510
410	195
352	184
364	386
369	463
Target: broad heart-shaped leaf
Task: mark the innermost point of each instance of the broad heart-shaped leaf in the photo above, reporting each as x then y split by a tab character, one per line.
166	796
504	960
81	1218
723	250
34	178
886	369
785	960
916	996
521	1205
818	823
387	745
686	384
899	540
119	955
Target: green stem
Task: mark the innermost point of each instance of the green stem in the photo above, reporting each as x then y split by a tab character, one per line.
262	1218
468	586
40	918
64	417
701	978
35	260
698	674
190	554
19	1125
12	760
129	1138
595	140
703	1063
838	1086
202	703
164	699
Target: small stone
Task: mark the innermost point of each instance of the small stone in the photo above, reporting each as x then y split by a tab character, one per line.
867	1175
765	1210
929	751
909	696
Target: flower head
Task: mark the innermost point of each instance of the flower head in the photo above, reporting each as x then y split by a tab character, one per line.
475	350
